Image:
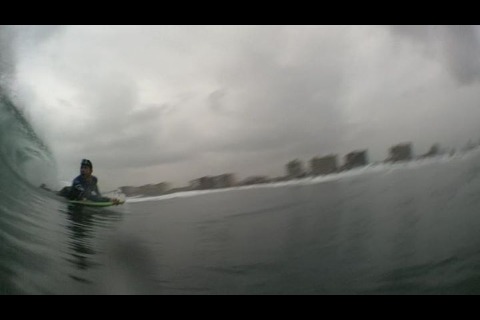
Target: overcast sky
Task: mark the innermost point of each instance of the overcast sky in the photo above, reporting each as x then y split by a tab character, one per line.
173	103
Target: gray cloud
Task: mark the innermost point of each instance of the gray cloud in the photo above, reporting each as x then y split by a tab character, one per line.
456	45
153	103
215	99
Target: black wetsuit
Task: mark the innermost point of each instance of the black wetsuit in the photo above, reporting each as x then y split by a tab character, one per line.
81	188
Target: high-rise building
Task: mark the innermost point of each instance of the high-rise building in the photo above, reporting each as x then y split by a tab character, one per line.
323	165
355	159
295	169
400	152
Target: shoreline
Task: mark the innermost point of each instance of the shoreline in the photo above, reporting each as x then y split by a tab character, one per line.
310	180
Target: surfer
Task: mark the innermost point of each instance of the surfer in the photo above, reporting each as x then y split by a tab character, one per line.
84	187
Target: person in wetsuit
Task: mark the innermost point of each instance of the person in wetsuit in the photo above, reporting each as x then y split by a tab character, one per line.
84	187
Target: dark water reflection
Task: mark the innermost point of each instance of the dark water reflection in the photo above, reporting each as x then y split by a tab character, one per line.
86	227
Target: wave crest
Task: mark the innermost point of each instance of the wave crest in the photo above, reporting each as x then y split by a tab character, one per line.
22	152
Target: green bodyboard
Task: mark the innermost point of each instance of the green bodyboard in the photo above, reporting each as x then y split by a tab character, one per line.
93	203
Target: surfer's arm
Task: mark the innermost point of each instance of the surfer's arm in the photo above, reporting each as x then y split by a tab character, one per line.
102	198
97	191
77	190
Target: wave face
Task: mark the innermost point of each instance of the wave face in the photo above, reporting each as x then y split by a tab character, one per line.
20	152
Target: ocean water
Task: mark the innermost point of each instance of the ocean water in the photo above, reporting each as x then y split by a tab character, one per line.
406	228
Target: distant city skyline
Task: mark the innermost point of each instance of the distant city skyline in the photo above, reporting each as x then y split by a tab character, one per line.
294	169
